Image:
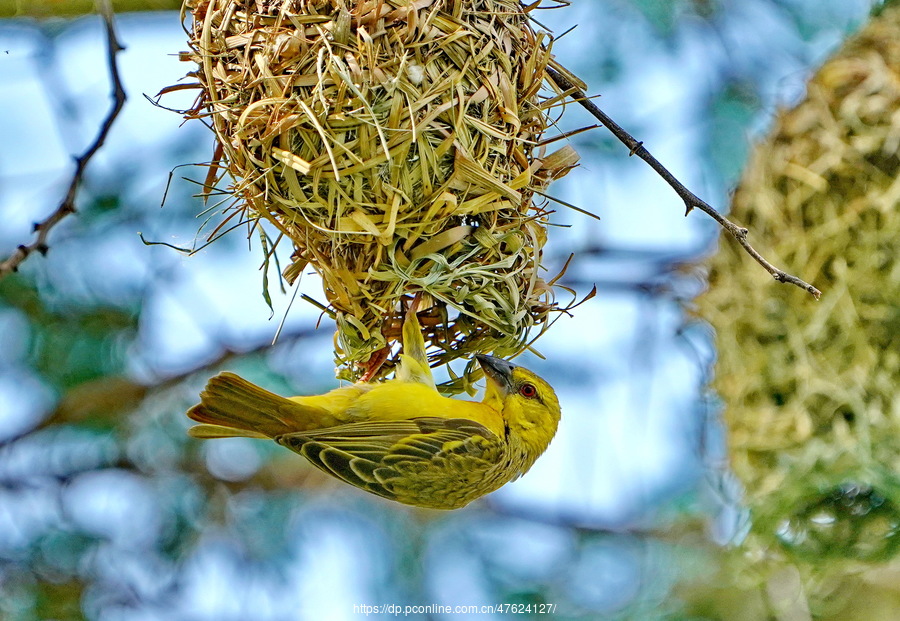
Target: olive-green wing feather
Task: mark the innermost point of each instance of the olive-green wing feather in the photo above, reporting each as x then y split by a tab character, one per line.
396	459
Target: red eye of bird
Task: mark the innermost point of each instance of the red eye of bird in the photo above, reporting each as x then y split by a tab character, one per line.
528	391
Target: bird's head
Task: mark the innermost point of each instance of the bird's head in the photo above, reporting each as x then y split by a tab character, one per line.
528	404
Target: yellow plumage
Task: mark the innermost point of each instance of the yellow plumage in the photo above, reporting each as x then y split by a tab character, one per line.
399	439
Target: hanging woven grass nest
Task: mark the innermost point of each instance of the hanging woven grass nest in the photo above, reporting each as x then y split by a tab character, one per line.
397	145
812	389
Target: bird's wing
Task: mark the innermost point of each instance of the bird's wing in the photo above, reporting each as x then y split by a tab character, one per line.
379	456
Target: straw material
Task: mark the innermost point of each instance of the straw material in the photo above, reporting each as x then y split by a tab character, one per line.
812	389
396	143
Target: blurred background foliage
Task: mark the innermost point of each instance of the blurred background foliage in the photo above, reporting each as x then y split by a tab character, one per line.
109	511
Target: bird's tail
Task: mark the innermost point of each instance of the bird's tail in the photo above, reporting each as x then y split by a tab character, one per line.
232	406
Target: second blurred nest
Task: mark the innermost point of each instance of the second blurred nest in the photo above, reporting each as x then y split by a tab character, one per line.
813	396
396	144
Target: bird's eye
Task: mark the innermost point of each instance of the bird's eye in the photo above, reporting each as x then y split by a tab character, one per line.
528	391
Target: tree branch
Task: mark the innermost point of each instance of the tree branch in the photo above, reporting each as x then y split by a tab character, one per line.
67	206
127	394
690	199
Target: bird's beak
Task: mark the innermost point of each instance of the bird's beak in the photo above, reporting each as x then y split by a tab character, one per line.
498	370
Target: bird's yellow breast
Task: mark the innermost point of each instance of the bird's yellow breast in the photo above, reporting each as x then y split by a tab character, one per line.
402	400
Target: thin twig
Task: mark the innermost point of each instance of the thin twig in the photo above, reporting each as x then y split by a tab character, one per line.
67	206
690	199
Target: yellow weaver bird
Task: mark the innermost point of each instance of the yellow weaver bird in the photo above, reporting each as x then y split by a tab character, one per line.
400	439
